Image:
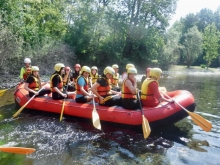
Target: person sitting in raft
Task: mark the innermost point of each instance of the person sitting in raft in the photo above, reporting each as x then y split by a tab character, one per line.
150	94
75	74
115	79
124	75
66	80
82	86
26	70
146	76
33	83
102	89
129	91
56	83
94	74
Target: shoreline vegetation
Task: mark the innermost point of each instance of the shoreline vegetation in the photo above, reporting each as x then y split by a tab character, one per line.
8	81
183	68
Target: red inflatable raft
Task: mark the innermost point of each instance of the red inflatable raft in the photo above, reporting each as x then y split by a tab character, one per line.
162	115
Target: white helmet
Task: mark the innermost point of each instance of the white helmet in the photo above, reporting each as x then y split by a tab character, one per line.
115	66
27	60
35	68
132	70
109	70
85	69
58	66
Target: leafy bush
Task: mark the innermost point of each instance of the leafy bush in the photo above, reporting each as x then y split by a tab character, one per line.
202	65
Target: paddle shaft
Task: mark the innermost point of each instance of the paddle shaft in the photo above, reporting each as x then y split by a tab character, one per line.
199	120
19	111
4	90
176	102
95	115
145	123
62	110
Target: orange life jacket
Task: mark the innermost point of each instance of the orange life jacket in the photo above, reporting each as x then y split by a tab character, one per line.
27	72
126	93
60	85
104	90
86	86
34	85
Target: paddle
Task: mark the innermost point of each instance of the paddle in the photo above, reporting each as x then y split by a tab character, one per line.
4	90
199	120
145	124
19	111
95	115
107	98
62	110
17	150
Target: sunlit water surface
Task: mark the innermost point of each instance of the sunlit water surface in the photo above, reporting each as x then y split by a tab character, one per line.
75	141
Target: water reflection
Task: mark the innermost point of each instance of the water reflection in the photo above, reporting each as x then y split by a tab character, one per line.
75	141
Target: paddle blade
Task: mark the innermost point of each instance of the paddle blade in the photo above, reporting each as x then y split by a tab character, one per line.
19	111
200	121
2	92
145	127
95	119
17	150
61	114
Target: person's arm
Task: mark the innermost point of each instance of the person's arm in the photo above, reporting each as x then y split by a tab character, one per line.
94	91
124	76
22	71
55	82
156	93
29	81
132	88
81	82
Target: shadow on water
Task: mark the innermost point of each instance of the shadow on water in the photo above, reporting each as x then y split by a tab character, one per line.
76	141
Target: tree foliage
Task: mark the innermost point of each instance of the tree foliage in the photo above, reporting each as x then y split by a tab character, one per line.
99	32
191	45
211	43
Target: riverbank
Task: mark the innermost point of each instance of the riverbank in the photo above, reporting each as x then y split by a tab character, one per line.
183	68
8	81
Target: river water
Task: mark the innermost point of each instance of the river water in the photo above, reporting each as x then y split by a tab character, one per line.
75	141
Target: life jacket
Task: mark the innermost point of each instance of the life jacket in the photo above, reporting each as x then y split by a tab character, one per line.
114	80
67	80
94	77
86	86
27	72
34	85
104	90
60	85
126	93
144	89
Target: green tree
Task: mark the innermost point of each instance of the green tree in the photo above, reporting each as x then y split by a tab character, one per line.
171	51
205	17
191	45
118	31
211	38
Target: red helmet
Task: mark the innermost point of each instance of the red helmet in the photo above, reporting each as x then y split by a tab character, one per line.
148	70
77	66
